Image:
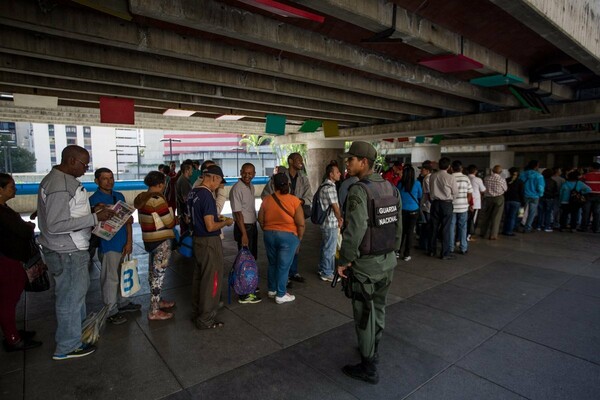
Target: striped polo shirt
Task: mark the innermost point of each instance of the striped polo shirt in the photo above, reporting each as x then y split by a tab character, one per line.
460	203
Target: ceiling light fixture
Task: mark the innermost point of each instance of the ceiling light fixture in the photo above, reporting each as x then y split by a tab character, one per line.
230	117
176	112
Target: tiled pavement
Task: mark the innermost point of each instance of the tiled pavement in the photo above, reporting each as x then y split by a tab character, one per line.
515	318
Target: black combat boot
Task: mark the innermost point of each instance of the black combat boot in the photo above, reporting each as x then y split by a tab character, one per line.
365	371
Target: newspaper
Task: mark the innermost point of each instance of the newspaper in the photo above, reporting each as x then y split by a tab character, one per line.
107	229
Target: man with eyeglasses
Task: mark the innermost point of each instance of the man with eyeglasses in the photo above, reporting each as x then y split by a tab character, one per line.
65	220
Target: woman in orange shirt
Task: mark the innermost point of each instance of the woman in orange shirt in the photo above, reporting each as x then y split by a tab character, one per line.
282	220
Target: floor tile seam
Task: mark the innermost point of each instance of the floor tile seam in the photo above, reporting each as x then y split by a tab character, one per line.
460	316
179	382
551	348
283	349
493	296
543	286
324	305
467	371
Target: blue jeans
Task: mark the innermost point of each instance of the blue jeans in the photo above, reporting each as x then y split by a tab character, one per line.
532	211
545	210
459	219
70	272
281	247
328	242
511	212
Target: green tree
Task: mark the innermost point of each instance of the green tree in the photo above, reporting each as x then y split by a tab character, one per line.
22	160
253	142
283	151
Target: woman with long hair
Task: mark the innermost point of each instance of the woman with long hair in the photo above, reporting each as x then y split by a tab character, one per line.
411	193
15	248
282	220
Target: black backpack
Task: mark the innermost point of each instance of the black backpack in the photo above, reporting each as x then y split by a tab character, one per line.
576	198
318	215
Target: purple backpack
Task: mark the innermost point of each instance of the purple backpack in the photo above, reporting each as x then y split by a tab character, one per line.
243	277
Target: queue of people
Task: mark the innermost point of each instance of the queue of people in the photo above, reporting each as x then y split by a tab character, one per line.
358	243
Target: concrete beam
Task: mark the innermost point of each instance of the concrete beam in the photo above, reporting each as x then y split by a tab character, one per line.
87	116
96	28
193	101
535	138
81	55
163	101
414	30
554	149
80	73
220	19
425	35
571	25
560	114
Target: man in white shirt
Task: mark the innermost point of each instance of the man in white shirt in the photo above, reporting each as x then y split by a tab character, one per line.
478	190
243	207
460	208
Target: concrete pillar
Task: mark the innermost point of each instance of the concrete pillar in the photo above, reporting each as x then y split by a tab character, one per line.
320	153
421	152
504	158
549	160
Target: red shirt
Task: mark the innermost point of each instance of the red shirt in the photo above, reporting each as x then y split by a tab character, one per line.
391	177
592	179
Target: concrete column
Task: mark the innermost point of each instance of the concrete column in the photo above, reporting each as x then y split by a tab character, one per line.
549	160
421	152
504	158
320	153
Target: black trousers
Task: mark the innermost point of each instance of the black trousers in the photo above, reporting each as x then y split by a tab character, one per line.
440	218
409	220
252	232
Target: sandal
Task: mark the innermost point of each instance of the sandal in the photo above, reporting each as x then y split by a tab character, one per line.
159	315
166	304
214	325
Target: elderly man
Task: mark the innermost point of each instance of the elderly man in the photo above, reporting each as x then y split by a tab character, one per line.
442	191
208	249
66	221
243	207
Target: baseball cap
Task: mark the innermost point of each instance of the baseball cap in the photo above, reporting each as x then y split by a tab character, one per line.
426	165
213	170
361	150
280	180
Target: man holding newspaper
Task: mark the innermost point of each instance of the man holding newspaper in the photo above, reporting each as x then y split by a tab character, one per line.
115	244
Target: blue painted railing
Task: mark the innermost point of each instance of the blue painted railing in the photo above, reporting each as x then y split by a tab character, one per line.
121	186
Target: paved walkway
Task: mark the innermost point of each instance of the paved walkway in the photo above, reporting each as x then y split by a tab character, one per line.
515	318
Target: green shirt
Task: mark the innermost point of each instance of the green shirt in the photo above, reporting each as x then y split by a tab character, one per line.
356	225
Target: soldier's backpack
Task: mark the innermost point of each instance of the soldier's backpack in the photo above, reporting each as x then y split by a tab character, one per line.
243	277
318	214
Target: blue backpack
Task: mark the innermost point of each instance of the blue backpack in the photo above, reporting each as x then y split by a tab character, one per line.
243	277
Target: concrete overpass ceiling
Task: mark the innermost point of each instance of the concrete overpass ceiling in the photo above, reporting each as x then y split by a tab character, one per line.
359	67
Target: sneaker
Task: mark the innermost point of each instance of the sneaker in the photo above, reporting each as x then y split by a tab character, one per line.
297	278
249	299
548	230
117	319
397	254
130	307
286	298
271	295
326	278
408	258
84	350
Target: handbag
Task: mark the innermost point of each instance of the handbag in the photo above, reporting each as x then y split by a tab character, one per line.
130	280
36	270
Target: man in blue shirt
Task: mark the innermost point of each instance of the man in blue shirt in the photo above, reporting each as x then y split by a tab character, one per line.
534	185
208	249
111	252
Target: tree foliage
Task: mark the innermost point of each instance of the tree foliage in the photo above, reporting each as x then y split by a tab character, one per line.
253	142
22	160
